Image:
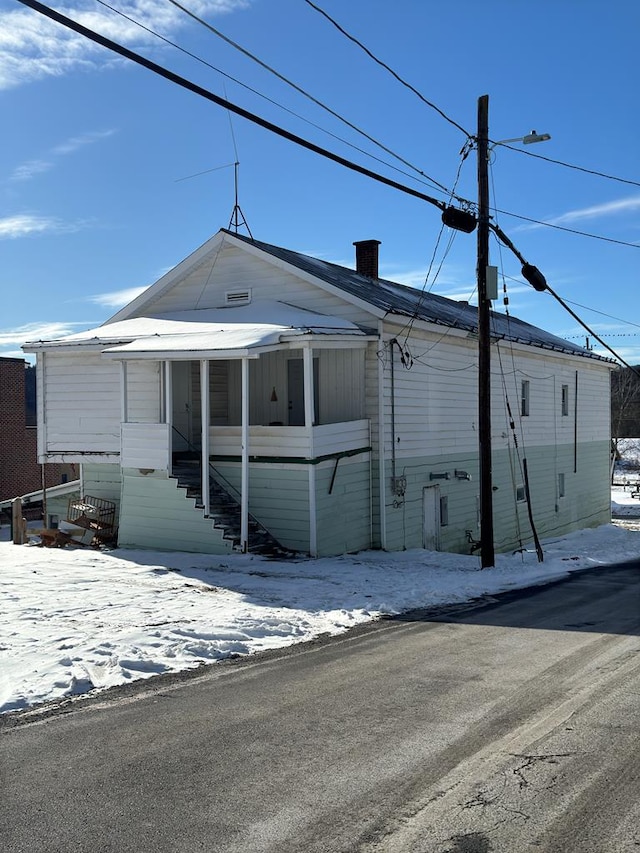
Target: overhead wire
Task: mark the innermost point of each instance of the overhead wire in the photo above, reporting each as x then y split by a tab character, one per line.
384	65
569	165
225	104
427	181
568	230
303	92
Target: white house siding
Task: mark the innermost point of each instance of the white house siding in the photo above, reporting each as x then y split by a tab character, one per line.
436	433
232	268
278	498
143	392
157	514
82	406
145	446
344	515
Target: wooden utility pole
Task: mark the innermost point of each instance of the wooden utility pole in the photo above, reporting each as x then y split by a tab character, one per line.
487	554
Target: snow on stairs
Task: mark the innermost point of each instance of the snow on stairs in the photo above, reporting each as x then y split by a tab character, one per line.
224	511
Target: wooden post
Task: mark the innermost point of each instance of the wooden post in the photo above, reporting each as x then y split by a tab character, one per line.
487	554
18	525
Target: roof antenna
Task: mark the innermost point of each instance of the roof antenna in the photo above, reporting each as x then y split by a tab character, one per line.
237	216
237	220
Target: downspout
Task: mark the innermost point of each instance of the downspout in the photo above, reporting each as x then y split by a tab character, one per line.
244	487
309	419
204	427
393	412
381	449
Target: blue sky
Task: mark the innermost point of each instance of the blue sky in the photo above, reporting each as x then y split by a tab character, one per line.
93	149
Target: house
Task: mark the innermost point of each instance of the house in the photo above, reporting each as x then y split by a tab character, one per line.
20	471
256	396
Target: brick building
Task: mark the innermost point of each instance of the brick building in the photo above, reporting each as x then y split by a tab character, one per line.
20	471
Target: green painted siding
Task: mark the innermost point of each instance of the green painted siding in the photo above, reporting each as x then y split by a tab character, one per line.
344	516
156	514
585	504
278	498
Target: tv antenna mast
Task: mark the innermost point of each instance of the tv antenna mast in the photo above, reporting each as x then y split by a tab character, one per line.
238	220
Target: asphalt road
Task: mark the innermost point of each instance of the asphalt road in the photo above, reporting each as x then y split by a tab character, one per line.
509	726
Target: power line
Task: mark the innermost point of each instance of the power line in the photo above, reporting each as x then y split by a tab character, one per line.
543	286
387	67
225	104
268	99
569	165
568	230
303	92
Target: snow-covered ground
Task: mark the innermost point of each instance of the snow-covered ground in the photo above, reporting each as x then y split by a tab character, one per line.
74	621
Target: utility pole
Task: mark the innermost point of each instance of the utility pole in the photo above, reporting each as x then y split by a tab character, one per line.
487	554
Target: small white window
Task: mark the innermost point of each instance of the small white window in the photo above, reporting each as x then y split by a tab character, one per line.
524	398
565	400
521	495
561	486
444	511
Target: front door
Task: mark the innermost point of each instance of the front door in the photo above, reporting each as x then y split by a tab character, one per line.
182	415
431	518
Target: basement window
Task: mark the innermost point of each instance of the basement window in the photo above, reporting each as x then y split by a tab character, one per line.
237	297
444	511
524	398
561	486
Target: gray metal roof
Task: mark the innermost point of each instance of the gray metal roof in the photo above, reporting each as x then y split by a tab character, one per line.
406	301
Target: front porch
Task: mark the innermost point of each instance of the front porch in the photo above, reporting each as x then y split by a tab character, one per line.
272	427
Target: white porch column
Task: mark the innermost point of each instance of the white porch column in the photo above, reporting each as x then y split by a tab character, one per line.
309	418
244	497
204	406
167	397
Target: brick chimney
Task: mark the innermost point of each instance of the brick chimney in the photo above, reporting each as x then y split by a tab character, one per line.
367	257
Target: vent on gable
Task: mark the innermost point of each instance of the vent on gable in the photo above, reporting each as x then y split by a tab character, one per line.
238	297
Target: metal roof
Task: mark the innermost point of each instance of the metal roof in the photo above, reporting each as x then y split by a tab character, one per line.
407	301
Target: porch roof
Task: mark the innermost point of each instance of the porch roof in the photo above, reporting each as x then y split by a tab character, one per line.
215	332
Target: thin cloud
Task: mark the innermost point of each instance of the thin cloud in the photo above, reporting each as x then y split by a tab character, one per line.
27	225
31	168
33	47
37	332
117	298
597	211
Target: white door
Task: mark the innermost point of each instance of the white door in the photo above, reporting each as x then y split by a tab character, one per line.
431	518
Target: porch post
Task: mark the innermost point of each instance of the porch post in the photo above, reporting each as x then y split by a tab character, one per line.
204	408
244	496
309	418
167	415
